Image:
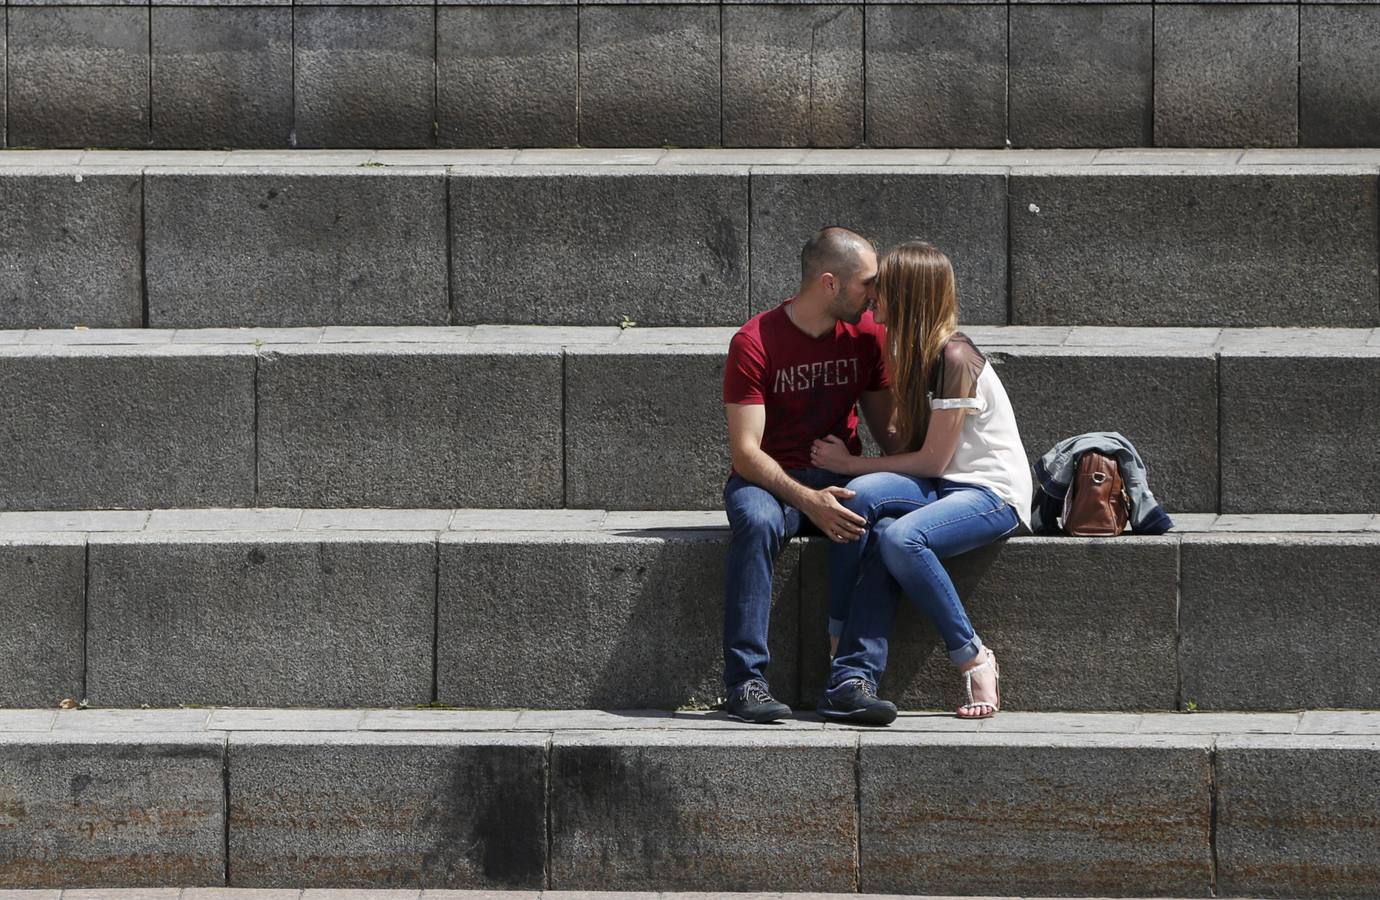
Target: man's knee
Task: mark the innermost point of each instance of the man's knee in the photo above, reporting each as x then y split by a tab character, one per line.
756	515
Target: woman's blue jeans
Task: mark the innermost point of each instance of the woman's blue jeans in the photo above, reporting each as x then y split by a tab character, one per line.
912	523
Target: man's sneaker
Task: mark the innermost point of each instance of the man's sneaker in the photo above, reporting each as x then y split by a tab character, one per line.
856	701
752	702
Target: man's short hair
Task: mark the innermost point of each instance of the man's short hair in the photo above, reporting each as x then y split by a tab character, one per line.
834	249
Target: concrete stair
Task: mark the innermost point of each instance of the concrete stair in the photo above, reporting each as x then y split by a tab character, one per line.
1157	805
543	417
678	238
307	608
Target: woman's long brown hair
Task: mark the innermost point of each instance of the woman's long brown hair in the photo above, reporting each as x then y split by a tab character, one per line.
919	301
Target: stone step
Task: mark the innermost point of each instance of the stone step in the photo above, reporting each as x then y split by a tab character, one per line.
286	607
1228	420
1153	805
691	74
678	238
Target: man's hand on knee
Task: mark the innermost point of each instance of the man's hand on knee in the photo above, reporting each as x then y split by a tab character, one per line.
835	521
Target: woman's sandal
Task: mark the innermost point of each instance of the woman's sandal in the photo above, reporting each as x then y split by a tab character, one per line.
992	706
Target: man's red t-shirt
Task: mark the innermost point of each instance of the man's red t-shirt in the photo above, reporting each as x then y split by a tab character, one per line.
810	386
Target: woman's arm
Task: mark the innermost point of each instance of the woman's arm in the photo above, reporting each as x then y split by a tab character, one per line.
930	461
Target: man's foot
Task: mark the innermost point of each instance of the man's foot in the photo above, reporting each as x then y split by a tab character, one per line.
856	701
752	702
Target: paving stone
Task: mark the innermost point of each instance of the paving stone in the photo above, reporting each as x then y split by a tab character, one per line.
1367	156
964	156
126	427
222	76
1081	76
792	76
617	622
961	212
389	893
1142	338
921	811
1293	817
711	720
166	792
306	157
80	335
552	335
1165	403
69	249
261	619
527	519
1292	523
1062	723
445	157
714	520
223	519
669	248
1226	76
375	519
742	156
383	809
1339	70
78	77
253	336
1265	618
721	810
438	720
365	76
874	156
506	76
1314	342
616	401
1219	723
650	76
1265	428
407	334
572	156
431	427
74	520
268	258
14	721
125	894
1027	598
936	76
1333	722
285	719
211	893
1154	248
1167	156
1185	522
42	589
131	721
592	719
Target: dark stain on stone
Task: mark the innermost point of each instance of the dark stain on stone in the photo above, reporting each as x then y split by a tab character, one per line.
257	557
80	783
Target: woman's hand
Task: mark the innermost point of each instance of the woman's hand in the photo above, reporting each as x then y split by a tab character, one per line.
832	454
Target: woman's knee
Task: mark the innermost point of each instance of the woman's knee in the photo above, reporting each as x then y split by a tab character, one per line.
870	490
898	543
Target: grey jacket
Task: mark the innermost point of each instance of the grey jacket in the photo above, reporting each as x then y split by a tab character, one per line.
1054	472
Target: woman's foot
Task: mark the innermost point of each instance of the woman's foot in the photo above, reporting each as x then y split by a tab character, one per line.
982	679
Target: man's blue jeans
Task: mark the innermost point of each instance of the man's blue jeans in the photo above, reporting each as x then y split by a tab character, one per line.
912	524
761	525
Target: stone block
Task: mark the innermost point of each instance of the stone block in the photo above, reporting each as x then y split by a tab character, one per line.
704	811
649	76
69	250
962	213
588	247
1090	815
1147	247
1164	401
1339	76
365	76
78	77
424	426
268	619
615	622
1077	623
1265	618
1279	412
1226	75
42	586
506	76
85	811
620	404
1296	816
222	76
793	76
1081	76
936	76
126	427
386	810
296	248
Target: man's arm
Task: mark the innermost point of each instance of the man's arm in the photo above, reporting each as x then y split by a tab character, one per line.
746	425
877	407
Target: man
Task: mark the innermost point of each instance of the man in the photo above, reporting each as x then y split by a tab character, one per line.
794	374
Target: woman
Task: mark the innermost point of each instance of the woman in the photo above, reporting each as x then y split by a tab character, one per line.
962	481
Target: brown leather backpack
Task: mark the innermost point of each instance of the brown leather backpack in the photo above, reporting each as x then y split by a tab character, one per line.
1096	504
